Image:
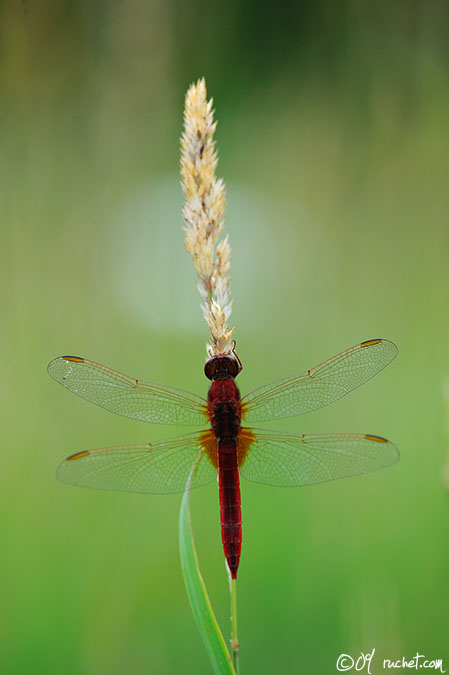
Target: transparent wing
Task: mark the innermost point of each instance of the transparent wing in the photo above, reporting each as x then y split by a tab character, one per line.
157	468
319	386
127	396
289	460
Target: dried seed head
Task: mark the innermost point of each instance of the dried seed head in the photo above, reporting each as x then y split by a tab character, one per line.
203	211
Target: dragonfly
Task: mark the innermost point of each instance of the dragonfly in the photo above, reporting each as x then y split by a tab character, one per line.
227	448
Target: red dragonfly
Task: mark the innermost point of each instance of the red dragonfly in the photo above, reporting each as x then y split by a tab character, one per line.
227	448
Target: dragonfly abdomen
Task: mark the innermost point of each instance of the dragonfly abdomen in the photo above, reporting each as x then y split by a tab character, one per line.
230	509
224	409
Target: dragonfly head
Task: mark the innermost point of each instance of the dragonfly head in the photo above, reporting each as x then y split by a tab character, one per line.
222	367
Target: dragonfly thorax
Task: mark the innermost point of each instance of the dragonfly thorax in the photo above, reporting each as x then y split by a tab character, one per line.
224	408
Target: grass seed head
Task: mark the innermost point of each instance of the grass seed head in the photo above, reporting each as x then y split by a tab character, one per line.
203	212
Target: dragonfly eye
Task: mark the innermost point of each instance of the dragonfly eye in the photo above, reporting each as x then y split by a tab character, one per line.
221	367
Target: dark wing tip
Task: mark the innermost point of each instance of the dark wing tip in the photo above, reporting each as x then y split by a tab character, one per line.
370	343
378	439
390	347
61	362
393	455
77	455
64	471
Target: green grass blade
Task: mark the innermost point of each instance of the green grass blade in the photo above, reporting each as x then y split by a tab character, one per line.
197	594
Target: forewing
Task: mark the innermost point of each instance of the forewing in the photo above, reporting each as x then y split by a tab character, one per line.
157	468
318	386
127	396
289	460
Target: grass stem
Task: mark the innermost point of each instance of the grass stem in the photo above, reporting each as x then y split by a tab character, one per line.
235	647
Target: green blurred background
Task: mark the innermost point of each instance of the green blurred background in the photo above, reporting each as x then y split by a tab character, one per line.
333	141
